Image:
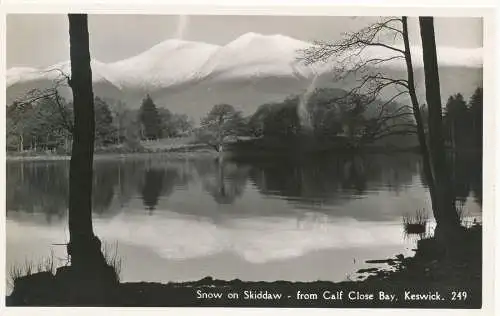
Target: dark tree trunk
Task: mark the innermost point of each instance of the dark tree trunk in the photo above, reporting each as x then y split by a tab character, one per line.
445	214
84	247
424	150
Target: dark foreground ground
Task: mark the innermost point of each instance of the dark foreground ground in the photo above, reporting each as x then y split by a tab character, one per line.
430	279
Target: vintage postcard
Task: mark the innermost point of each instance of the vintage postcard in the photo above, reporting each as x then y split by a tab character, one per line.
234	159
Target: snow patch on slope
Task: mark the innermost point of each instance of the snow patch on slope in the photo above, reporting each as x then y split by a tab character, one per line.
169	63
255	56
54	72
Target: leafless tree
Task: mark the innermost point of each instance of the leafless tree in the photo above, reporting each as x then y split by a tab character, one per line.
25	108
52	94
353	60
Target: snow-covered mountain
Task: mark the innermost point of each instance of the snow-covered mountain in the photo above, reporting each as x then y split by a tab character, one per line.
174	63
190	77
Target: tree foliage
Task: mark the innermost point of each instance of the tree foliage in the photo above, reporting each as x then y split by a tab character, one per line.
463	122
46	124
180	125
105	131
476	111
456	120
220	125
277	119
41	125
334	114
150	119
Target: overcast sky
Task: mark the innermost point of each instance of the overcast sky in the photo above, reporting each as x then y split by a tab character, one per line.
41	40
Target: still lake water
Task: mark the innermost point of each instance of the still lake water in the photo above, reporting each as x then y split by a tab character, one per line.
184	219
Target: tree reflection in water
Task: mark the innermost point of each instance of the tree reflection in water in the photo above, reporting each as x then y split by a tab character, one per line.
224	181
152	188
41	187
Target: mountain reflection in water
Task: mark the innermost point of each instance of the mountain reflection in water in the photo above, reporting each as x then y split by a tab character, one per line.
184	219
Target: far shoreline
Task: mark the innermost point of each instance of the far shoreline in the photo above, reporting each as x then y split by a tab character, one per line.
179	152
196	151
108	156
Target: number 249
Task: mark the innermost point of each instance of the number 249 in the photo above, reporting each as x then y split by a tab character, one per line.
458	296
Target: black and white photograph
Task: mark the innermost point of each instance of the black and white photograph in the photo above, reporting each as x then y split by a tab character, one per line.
244	160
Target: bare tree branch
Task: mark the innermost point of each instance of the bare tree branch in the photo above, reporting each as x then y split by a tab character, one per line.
52	95
349	52
354	43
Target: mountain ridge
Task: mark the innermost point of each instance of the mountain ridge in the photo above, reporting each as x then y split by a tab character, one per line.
286	44
190	77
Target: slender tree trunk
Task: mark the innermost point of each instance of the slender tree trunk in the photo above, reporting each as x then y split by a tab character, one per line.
222	184
120	182
474	130
453	133
21	143
446	217
84	247
119	132
424	150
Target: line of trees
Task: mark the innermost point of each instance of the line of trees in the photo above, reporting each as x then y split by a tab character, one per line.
333	117
44	121
334	114
341	117
463	120
354	119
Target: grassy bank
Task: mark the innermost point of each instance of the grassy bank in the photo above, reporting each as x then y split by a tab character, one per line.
457	279
175	147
